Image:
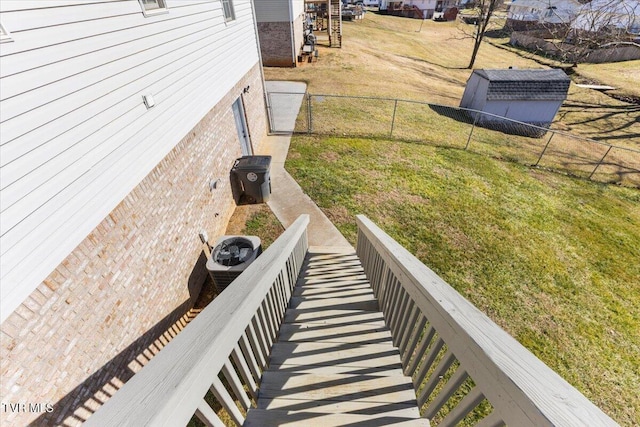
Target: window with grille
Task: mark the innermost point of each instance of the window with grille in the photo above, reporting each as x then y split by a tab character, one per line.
227	9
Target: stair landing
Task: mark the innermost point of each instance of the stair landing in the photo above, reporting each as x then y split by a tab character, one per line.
334	363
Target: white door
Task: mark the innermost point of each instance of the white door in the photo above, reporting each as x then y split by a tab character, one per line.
241	126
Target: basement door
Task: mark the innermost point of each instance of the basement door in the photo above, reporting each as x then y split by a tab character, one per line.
241	126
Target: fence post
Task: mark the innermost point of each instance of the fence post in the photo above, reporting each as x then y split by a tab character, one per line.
393	118
475	120
545	148
309	126
600	162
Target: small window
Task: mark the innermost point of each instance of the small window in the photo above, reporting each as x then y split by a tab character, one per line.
153	7
227	9
4	35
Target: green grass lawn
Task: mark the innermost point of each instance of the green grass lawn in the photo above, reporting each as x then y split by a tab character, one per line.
551	259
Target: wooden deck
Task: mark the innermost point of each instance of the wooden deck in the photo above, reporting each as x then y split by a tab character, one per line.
334	363
304	324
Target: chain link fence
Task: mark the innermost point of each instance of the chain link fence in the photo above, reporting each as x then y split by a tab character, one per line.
477	131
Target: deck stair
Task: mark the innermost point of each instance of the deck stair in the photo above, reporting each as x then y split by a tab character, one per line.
335	23
334	362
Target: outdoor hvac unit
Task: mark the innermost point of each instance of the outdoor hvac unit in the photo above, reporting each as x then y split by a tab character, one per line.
230	257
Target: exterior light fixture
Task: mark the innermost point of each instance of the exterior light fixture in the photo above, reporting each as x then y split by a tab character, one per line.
149	102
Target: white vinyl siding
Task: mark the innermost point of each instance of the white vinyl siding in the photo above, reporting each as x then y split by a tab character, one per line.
75	135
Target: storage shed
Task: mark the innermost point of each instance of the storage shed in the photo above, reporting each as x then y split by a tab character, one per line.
530	96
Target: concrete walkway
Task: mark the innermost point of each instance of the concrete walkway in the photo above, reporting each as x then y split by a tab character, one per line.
288	201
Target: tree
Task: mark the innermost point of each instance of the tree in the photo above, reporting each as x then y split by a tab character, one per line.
484	10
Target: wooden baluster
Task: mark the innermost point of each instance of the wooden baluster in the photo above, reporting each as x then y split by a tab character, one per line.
279	299
415	336
399	313
435	377
245	372
207	415
272	321
394	301
408	326
236	385
431	355
262	340
492	420
389	290
255	345
447	391
225	399
464	408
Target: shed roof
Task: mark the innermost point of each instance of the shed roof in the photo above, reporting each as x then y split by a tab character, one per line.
514	84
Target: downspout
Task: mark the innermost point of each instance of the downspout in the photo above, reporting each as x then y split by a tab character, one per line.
246	119
264	85
293	42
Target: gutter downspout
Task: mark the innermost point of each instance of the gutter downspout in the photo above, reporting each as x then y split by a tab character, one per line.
293	42
264	85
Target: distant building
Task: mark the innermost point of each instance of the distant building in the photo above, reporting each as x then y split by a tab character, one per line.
426	8
281	31
525	14
608	15
529	96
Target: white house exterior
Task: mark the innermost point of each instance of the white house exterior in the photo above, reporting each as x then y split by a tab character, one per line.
115	117
281	31
597	14
428	7
527	12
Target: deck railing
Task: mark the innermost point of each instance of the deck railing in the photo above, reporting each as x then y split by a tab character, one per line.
462	364
224	349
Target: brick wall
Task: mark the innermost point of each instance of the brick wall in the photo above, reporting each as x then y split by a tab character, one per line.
107	307
275	44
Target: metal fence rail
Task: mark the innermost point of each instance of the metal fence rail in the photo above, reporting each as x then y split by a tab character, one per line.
477	131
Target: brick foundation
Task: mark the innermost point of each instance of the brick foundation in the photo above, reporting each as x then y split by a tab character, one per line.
106	308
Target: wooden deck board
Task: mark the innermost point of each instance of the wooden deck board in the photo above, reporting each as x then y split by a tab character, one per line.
272	418
357	333
334	363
